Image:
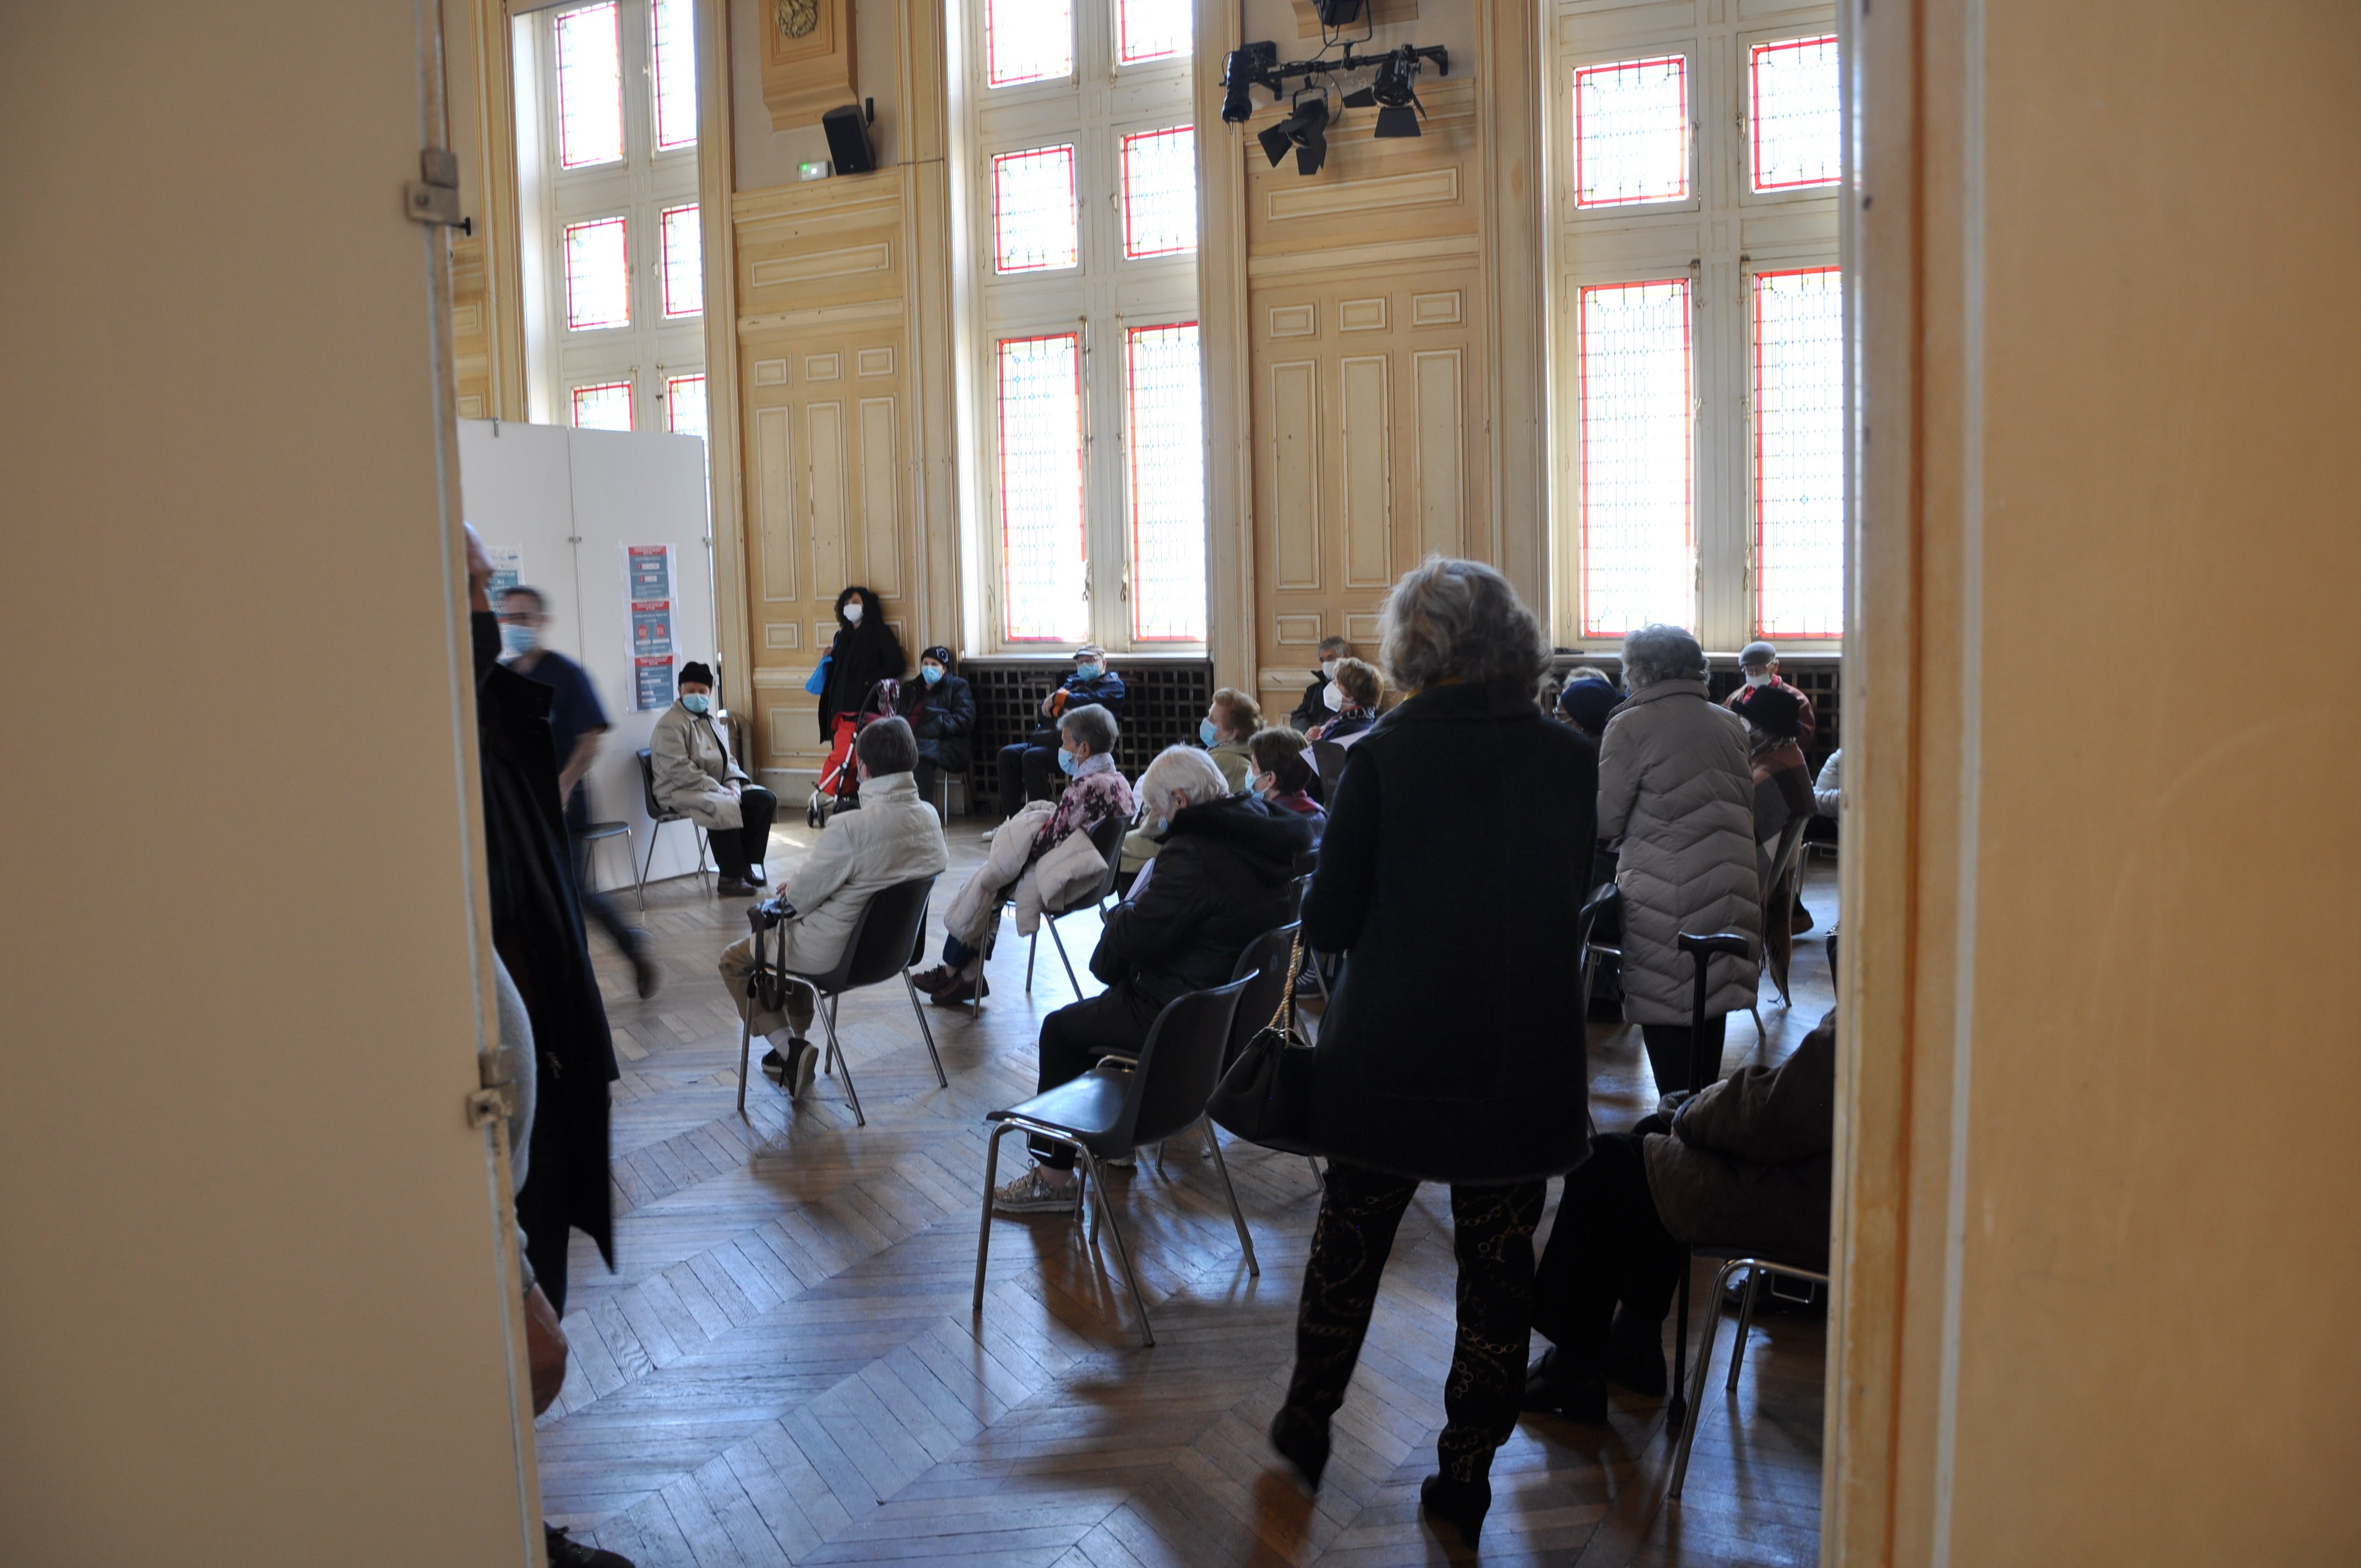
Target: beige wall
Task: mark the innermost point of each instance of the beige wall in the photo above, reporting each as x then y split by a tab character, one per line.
2102	1062
251	1305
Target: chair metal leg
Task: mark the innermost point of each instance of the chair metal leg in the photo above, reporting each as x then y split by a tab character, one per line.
1761	1037
1032	948
745	1049
704	848
984	1234
1676	1408
925	1032
1089	1168
1071	984
654	828
1214	1141
843	1067
1704	1363
1754	1288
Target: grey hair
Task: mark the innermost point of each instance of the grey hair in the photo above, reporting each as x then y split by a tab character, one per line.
887	746
1093	726
1658	652
1184	771
1451	620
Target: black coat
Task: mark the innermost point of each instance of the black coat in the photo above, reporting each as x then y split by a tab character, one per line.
537	930
1458	844
861	656
1314	706
1220	880
942	717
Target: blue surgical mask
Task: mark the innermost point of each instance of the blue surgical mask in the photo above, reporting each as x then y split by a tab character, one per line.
1206	733
1066	762
519	639
930	674
1164	825
1087	671
697	702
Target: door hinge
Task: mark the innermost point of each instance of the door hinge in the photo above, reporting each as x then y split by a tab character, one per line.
434	196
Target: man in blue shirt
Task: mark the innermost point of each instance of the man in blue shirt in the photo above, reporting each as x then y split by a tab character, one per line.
575	723
1026	767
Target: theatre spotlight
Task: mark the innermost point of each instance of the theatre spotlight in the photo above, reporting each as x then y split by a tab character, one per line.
1241	69
1394	90
1305	130
1336	13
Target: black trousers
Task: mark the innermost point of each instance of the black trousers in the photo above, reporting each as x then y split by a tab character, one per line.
738	850
1076	1035
1493	1236
1673	1054
596	906
925	774
1025	771
1608	1246
541	1213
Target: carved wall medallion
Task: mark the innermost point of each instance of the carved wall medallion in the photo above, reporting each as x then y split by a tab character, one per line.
795	17
808	60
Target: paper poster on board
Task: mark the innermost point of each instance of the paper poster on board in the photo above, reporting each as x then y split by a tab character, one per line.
507	569
651	630
649	568
651	684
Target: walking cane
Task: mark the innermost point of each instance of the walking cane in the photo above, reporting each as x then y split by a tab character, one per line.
1703	949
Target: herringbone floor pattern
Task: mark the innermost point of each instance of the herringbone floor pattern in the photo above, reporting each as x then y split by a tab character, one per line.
784	1368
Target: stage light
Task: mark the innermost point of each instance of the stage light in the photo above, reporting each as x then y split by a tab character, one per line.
1305	130
1396	92
1241	69
1337	13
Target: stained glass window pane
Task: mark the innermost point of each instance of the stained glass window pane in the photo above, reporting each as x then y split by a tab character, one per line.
684	263
1795	115
1041	542
1165	437
684	405
598	275
589	87
1033	210
1159	192
1027	40
1799	454
1637	414
1153	29
1631	132
675	71
604	407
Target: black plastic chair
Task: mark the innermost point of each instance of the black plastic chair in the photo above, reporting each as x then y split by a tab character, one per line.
888	938
1108	839
1264	965
1328	759
657	818
1118	1106
1703	948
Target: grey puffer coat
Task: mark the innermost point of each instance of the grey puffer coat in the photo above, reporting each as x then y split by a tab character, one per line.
1674	784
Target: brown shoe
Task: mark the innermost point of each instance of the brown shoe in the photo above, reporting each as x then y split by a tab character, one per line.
933	981
962	991
730	887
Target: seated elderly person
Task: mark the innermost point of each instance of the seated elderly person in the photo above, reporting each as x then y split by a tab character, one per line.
1587	701
1094	792
1745	1164
1220	881
1783	784
893	837
1025	765
1229	719
1351	699
1283	777
691	771
1314	706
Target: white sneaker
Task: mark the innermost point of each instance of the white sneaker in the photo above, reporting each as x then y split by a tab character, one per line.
988	833
1120	1161
800	1075
1035	1193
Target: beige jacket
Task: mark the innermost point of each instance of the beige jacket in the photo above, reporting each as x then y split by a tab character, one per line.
689	755
894	837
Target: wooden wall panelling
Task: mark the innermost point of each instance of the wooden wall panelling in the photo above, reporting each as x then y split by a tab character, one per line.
1367	459
1293	417
1439	438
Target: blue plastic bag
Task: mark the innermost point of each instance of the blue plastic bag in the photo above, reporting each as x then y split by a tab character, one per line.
819	682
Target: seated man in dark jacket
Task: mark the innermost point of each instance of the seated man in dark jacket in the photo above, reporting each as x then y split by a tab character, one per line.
1744	1164
942	717
1220	881
1025	766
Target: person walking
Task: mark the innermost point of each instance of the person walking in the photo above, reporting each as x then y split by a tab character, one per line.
1447	1054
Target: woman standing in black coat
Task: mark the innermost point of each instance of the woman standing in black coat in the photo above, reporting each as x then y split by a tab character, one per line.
1458	842
941	711
864	653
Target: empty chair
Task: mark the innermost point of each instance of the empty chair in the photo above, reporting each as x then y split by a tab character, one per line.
601	831
657	818
1755	1267
1328	759
1119	1105
889	937
1108	839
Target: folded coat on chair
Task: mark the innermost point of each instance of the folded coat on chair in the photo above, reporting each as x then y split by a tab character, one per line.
1067	871
976	908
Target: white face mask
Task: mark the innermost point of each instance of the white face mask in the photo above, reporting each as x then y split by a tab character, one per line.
1758	677
852	609
1334	698
1327	669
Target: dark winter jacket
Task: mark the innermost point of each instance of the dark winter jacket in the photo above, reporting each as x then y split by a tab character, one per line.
942	717
1748	1161
1457	847
1103	690
537	931
1220	880
860	657
1313	708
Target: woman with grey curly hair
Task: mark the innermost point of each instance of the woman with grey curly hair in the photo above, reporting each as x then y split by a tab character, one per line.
1675	785
1458	844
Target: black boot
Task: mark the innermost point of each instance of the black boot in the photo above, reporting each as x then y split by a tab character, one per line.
1302	1442
1635	1355
1460	1503
1553	1388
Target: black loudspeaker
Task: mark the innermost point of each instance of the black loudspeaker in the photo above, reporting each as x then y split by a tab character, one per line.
848	140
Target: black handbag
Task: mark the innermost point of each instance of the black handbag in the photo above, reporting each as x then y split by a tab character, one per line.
1266	1097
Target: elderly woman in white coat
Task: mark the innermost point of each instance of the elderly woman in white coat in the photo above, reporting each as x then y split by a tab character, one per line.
694	775
1675	786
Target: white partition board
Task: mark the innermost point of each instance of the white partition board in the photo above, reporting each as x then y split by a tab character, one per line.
570	501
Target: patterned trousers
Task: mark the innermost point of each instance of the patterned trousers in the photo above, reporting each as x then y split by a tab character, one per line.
1493	1235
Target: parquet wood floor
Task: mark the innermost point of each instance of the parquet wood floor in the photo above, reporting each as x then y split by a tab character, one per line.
783	1367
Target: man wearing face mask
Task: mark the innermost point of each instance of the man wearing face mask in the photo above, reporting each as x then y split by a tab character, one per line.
942	716
1314	709
577	722
696	775
1759	662
1026	767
